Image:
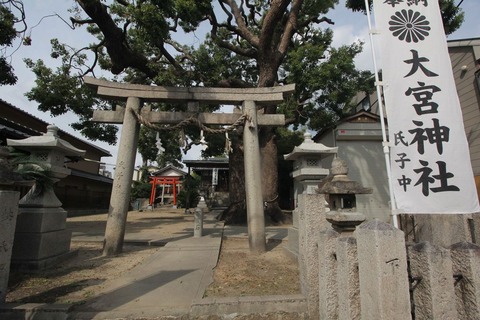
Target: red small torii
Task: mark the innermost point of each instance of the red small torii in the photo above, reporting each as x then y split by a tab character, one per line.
163	181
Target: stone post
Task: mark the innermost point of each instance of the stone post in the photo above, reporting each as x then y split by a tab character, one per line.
345	286
382	262
433	291
348	282
442	229
198	228
8	218
120	198
466	271
327	275
203	205
253	181
311	221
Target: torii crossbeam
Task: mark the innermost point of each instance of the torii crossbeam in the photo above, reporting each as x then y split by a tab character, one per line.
135	95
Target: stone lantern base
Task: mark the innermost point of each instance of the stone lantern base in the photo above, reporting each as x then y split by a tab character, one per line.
41	238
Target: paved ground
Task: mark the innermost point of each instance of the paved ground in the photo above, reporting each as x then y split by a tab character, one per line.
170	281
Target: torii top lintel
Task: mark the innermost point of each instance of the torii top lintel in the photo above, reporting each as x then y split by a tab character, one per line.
234	96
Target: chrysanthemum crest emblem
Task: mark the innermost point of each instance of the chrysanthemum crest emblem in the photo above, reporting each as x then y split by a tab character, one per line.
409	26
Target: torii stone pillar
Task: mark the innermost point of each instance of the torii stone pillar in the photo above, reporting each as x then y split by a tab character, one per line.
135	94
253	181
122	183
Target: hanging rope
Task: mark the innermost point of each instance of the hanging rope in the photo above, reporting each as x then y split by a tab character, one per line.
191	121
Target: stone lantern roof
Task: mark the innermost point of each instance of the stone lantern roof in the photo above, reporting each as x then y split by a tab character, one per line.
309	148
48	141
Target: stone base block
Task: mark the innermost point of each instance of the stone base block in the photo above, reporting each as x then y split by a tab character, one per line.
36	265
41	219
40	246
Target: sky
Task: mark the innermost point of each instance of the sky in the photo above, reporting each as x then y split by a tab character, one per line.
44	24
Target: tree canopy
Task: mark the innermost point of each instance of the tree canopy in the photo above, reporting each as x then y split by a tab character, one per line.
8	33
248	44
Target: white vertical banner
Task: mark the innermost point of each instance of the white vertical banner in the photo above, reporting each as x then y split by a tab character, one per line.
430	159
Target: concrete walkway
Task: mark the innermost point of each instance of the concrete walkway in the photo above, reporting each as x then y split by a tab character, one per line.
165	284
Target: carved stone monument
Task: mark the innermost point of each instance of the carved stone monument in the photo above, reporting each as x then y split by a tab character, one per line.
41	238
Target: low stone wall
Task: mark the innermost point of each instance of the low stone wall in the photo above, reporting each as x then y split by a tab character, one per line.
366	273
370	274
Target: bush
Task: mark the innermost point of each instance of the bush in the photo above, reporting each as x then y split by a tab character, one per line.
189	196
140	190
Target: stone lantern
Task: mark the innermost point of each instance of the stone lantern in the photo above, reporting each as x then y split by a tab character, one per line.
307	165
41	238
307	173
340	194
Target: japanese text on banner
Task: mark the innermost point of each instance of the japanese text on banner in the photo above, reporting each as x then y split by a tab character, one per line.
430	161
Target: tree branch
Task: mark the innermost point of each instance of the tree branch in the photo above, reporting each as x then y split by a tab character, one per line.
242	27
250	53
290	27
315	20
81	22
121	55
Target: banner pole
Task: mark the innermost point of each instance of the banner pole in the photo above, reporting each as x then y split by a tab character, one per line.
386	147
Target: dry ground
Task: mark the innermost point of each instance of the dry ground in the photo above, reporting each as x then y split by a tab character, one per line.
237	274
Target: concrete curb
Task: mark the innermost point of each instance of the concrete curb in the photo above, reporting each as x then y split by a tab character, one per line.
249	305
37	311
289	304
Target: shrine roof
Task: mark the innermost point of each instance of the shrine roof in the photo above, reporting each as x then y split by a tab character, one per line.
207	163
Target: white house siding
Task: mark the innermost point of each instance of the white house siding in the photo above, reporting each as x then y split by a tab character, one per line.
464	54
360	145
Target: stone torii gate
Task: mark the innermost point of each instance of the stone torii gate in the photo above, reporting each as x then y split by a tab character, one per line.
135	95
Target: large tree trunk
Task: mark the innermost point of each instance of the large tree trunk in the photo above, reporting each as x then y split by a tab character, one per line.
236	213
268	146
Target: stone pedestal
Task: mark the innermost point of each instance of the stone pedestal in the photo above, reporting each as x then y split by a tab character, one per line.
41	238
8	218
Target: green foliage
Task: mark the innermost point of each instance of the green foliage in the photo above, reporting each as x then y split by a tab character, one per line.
7	34
60	91
325	85
7	26
31	169
452	16
146	144
189	196
140	190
